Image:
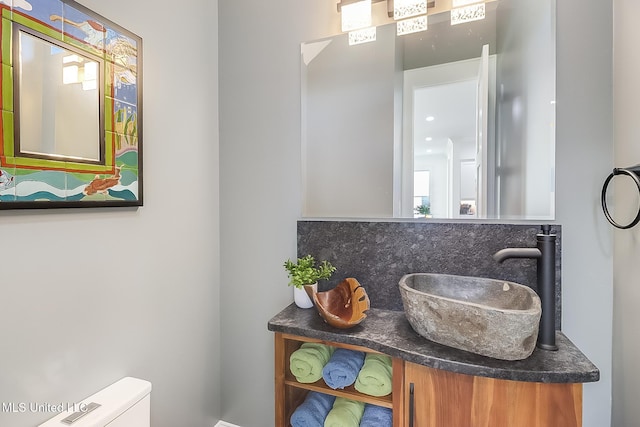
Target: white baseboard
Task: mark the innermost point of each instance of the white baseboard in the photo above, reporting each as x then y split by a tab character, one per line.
225	424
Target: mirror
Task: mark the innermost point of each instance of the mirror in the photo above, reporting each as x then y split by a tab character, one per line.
457	121
71	123
58	110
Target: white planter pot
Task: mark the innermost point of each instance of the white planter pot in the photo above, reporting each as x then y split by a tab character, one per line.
301	298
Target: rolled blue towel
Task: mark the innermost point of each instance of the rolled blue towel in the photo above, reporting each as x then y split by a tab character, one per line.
313	411
343	368
376	416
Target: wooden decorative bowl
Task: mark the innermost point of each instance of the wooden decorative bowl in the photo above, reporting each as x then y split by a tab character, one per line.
343	306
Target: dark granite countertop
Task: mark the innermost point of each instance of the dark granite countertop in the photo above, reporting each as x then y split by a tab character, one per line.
389	332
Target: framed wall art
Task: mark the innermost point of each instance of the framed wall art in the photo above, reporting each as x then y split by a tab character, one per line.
71	94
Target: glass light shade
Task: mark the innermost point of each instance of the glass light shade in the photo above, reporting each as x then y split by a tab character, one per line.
467	14
356	15
411	25
407	8
363	35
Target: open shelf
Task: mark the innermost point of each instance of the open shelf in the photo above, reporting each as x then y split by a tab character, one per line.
292	393
348	392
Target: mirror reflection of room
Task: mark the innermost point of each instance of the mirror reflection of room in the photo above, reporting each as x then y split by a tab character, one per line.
473	103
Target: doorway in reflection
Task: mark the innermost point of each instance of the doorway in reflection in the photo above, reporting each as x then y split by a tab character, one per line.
449	109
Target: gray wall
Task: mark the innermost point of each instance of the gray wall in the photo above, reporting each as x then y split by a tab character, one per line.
260	198
260	186
623	200
90	296
584	155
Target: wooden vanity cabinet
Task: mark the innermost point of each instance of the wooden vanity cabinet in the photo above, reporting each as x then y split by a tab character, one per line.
427	397
437	398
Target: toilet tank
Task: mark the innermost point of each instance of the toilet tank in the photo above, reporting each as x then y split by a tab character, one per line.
125	403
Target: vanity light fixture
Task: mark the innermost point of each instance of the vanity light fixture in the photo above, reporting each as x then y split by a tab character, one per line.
468	13
363	35
411	25
356	19
411	16
403	9
345	3
430	118
355	16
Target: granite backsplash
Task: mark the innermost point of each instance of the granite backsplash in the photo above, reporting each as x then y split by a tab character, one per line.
378	254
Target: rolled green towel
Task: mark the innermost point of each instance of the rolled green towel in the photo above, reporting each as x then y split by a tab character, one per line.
306	363
345	413
375	377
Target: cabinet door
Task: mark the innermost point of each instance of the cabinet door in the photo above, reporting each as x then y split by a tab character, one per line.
436	398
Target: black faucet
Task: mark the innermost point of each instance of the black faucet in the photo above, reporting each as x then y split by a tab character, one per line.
545	254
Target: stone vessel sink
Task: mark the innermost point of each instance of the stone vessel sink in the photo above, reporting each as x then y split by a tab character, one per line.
493	318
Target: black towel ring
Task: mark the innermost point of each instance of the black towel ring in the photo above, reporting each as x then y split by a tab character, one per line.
634	173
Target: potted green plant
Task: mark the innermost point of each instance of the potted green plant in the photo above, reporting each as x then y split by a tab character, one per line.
423	210
304	272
